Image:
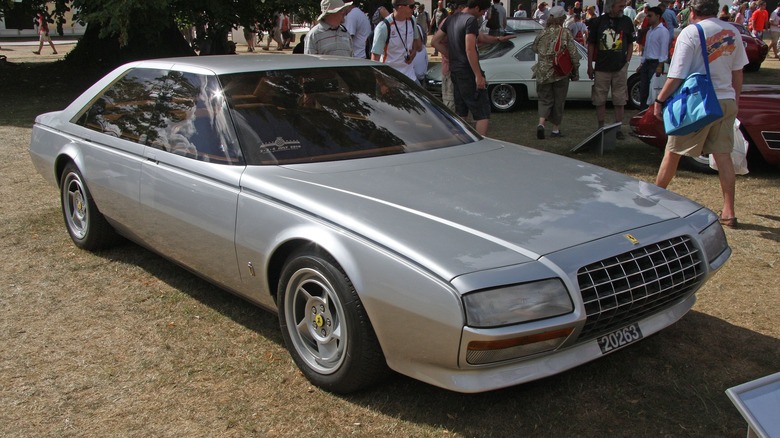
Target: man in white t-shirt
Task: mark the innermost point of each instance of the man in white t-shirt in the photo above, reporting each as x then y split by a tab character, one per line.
359	27
726	59
774	28
629	11
399	49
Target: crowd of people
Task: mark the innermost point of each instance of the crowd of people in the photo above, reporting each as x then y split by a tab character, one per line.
613	32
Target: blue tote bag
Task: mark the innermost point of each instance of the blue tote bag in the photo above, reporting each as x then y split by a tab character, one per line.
694	105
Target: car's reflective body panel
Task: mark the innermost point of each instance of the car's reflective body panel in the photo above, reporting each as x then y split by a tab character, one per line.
414	232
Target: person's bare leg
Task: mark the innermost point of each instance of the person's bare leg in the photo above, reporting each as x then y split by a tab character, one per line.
482	126
668	169
728	181
618	114
601	113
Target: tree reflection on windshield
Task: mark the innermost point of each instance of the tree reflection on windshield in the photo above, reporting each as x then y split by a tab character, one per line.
311	115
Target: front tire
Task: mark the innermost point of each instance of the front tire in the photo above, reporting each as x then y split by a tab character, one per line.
87	227
325	327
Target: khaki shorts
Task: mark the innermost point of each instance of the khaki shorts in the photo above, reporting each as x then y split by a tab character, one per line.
717	137
616	80
44	37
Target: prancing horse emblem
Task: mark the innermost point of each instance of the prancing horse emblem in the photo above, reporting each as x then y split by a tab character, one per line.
632	239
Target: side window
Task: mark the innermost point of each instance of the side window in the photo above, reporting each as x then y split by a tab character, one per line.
191	120
126	108
526	54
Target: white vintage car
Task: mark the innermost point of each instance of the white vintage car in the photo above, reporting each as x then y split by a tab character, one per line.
507	67
383	230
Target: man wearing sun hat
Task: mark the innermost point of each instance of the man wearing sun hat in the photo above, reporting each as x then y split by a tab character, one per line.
329	36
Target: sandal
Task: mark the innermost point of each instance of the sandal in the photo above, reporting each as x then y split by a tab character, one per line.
729	222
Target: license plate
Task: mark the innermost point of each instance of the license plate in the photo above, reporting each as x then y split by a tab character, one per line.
619	338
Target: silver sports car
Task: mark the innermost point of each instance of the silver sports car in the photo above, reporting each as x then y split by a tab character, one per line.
386	233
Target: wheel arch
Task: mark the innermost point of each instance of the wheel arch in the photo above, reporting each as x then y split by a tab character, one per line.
328	247
69	154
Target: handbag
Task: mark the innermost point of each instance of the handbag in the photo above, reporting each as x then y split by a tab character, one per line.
694	105
562	62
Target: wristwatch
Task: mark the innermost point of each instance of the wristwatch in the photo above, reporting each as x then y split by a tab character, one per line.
660	103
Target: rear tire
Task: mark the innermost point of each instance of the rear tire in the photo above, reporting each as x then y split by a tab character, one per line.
633	92
504	97
87	227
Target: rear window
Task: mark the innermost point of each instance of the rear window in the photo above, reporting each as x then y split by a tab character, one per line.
314	115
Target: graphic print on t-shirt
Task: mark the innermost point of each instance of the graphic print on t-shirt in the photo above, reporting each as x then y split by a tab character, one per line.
722	43
611	40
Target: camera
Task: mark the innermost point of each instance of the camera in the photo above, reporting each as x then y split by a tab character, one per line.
407	57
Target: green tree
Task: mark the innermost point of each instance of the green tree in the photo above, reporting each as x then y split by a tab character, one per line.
123	30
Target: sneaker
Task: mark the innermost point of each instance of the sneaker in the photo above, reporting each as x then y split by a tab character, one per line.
540	132
619	135
55	52
36	52
556	134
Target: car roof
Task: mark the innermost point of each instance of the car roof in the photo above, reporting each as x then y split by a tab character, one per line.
224	64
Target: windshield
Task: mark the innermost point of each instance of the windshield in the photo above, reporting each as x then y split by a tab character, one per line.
495	50
315	115
522	25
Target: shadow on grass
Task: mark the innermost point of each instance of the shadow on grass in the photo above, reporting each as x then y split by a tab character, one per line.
671	384
229	305
33	88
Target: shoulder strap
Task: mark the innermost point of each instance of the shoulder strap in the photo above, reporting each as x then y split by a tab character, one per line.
704	50
387	40
557	47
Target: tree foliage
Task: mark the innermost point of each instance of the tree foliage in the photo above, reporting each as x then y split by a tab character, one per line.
122	30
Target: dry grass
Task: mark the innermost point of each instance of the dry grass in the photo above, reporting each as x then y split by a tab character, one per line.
124	343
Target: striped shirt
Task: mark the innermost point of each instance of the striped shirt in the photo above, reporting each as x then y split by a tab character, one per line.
324	40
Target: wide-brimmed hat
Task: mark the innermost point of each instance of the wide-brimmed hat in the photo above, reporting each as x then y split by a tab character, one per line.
331	7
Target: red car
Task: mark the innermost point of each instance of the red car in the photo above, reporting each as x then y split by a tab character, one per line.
756	48
759	115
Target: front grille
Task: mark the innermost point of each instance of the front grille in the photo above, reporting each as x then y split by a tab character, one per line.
626	288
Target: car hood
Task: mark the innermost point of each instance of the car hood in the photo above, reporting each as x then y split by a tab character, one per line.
470	208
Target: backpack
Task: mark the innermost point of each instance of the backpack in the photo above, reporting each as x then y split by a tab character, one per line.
370	39
493	22
580	35
580	38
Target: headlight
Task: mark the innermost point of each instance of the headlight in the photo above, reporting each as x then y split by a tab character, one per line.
519	303
714	240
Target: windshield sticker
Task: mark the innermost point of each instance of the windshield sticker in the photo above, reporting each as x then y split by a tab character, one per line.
280	145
